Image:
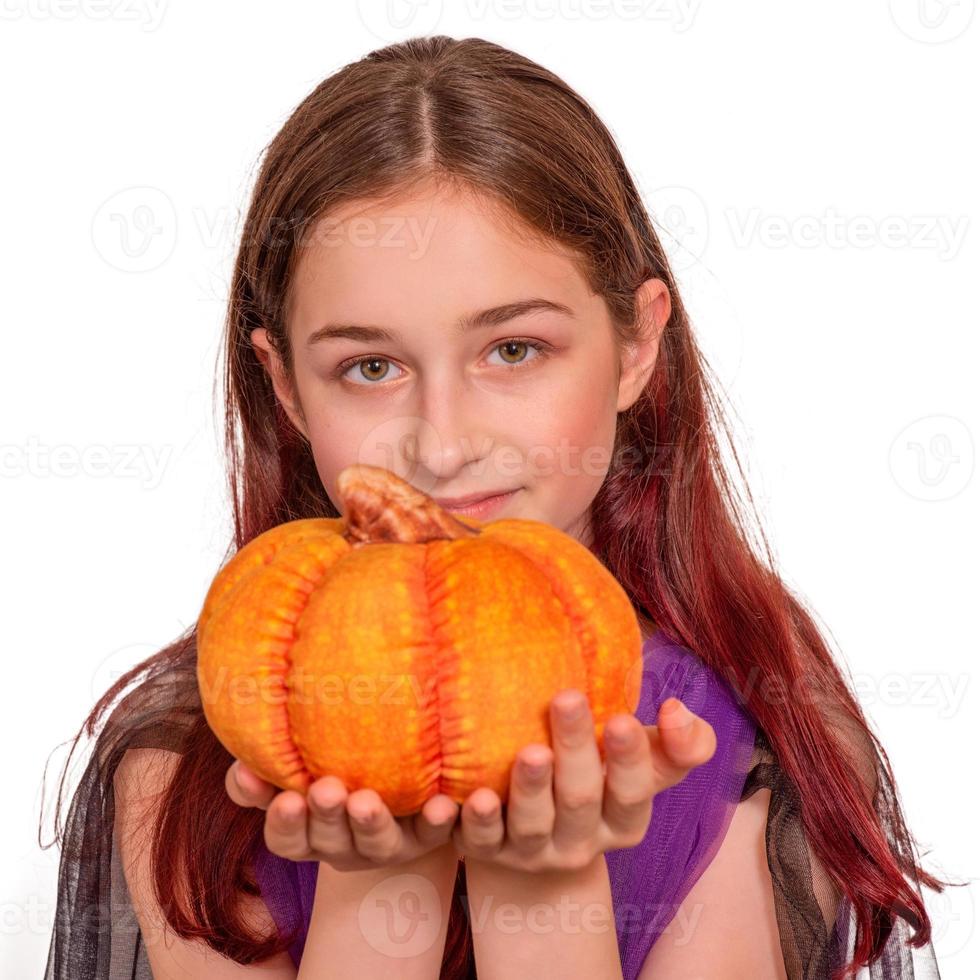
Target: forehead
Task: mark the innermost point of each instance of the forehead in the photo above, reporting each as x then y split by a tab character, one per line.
431	254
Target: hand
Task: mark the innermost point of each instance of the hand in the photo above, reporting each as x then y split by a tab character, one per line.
350	832
596	804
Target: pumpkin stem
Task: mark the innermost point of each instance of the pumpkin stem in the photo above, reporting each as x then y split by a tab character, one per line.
380	506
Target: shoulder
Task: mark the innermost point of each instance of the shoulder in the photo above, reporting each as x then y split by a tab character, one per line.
726	926
145	770
141	781
671	669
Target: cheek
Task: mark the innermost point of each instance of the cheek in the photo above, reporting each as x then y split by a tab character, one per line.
334	445
569	436
587	415
343	436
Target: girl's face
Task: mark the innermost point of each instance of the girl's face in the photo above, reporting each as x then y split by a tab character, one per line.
432	339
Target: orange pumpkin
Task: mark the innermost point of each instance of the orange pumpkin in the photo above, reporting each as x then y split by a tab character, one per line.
407	650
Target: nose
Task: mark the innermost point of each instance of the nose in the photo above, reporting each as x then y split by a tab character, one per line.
442	439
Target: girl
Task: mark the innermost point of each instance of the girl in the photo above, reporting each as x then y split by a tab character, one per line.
446	270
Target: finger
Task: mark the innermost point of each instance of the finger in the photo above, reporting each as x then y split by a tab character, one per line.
433	824
578	769
684	741
328	828
376	835
285	826
247	789
531	801
631	781
480	831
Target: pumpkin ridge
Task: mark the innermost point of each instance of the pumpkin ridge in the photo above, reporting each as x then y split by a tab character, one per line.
266	546
582	627
442	667
241	584
582	631
275	556
288	657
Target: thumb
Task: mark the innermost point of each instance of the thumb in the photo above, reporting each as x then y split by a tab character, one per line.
687	740
246	788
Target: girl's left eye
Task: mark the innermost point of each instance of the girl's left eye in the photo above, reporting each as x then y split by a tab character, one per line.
515	347
521	345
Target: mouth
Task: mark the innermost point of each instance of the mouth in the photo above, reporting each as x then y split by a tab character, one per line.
479	507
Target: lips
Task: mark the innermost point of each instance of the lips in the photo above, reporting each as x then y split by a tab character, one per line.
473	498
482	507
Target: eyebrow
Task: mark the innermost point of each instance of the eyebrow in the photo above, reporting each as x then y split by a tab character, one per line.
474	321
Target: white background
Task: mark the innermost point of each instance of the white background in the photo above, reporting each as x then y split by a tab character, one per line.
814	170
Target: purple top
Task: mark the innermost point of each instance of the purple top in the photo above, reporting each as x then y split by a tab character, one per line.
648	881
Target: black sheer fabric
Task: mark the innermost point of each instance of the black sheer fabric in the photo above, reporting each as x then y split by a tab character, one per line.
96	935
816	920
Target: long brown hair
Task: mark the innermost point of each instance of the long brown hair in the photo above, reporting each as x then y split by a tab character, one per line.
667	521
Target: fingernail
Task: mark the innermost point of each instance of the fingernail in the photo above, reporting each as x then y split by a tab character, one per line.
292	813
571	710
535	770
618	739
674	714
327	804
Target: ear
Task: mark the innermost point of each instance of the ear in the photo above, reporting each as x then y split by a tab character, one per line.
638	358
281	383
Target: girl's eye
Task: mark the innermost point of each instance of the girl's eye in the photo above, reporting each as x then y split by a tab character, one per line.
369	368
375	368
517	348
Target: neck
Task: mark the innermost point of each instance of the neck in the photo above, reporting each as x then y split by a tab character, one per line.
647	626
